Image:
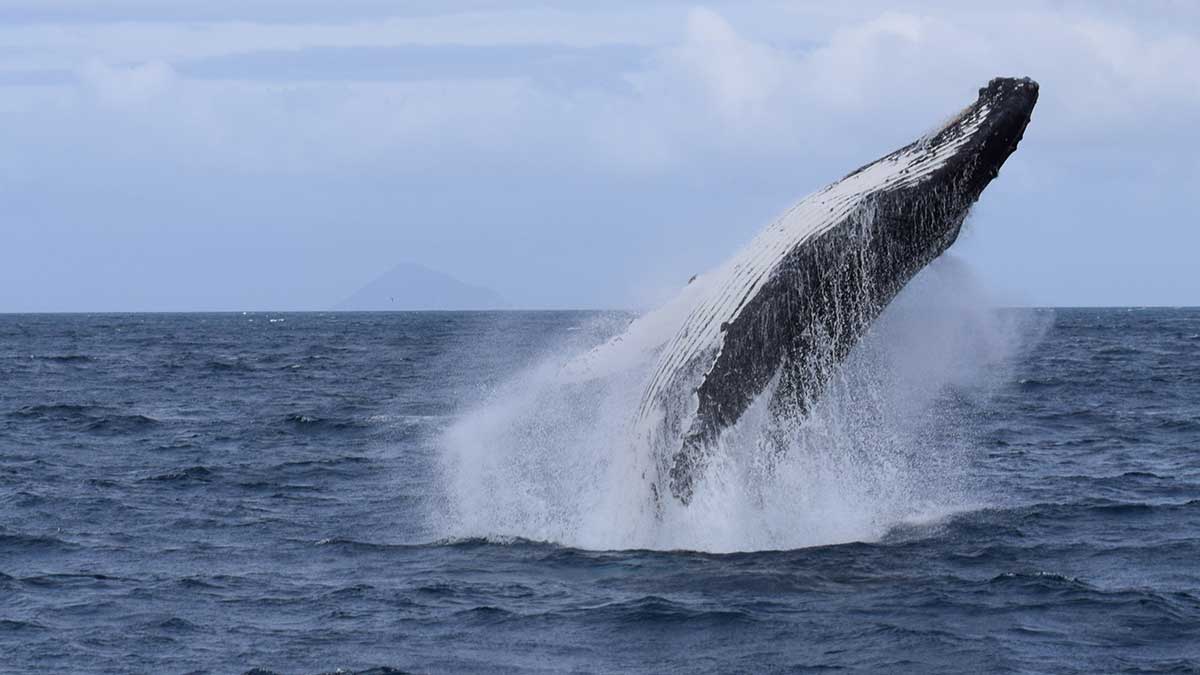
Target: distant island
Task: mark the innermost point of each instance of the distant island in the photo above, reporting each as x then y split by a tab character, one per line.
410	286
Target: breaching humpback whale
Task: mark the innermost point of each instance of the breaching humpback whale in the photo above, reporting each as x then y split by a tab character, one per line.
787	308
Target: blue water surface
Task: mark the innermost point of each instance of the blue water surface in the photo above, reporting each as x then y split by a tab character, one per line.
228	492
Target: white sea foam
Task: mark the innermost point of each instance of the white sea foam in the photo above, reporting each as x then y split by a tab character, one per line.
552	456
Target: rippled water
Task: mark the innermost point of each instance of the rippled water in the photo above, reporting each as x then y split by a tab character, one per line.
224	492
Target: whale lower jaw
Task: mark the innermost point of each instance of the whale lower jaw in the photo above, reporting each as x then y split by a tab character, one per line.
787	309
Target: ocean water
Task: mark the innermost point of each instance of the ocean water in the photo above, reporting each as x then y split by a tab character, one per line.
985	491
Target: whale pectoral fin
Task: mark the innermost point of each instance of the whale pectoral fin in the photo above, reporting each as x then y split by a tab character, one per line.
791	397
687	464
790	402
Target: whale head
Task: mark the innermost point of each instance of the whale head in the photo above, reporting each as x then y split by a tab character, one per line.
951	166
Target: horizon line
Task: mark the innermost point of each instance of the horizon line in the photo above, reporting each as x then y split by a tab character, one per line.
509	310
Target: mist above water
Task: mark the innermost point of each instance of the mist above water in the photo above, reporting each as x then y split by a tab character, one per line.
553	458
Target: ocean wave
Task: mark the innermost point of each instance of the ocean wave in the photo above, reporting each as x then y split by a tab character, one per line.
1154	608
353	545
1177	424
353	590
117	424
1030	383
16	626
66	358
376	670
227	364
1041	579
63	580
325	461
485	614
59	410
33	542
84	417
307	422
1116	350
174	624
1061	512
654	609
194	582
197	473
496	540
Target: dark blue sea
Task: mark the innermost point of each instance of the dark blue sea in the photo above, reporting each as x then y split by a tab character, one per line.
311	493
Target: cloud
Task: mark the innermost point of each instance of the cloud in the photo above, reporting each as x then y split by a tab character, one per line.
51	45
127	85
535	127
738	74
711	91
84	12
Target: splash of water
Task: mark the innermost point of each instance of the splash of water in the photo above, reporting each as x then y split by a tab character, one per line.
552	458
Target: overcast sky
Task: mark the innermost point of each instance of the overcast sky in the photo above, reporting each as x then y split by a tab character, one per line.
279	154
